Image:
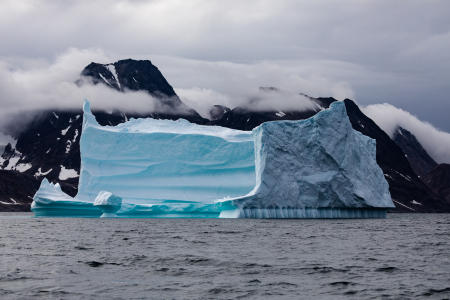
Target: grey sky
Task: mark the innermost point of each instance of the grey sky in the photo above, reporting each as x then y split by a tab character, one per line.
374	51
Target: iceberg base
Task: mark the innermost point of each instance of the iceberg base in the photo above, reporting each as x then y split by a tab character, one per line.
83	209
66	209
304	213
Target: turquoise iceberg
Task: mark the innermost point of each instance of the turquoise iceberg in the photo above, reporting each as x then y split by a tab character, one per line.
314	168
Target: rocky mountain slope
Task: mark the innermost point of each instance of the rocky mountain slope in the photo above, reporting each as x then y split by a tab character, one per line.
49	146
438	179
420	160
408	191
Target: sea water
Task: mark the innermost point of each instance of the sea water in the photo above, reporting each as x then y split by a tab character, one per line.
401	257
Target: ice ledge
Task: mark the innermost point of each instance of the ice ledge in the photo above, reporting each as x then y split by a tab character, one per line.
304	213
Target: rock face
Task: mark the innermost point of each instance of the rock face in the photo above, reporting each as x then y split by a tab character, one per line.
136	75
438	179
407	190
246	118
420	161
140	75
319	167
16	190
217	112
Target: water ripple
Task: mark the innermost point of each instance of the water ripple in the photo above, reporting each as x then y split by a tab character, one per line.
402	257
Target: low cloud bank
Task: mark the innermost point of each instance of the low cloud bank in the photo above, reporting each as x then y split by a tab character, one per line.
37	85
202	100
29	85
389	118
201	84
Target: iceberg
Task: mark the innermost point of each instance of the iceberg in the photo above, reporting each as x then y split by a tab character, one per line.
314	168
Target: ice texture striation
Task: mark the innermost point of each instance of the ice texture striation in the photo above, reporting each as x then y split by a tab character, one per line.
164	168
315	168
318	167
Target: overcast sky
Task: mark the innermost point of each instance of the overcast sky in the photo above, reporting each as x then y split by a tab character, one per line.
372	51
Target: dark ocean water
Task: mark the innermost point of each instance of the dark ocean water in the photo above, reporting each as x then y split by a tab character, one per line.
402	257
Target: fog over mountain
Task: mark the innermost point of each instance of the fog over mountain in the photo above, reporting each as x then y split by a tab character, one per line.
390	118
378	50
217	52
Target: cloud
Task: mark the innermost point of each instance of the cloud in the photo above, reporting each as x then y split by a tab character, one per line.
202	84
361	45
389	118
40	85
202	100
29	85
32	85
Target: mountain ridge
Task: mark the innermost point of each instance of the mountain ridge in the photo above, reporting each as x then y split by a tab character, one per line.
49	146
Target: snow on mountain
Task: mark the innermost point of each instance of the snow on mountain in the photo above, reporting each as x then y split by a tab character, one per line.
65	174
113	71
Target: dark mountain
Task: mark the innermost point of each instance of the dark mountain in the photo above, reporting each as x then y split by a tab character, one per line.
140	75
438	179
246	118
408	191
217	111
135	75
16	190
49	145
419	159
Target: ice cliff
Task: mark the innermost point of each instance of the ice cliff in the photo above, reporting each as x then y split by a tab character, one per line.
160	167
319	167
